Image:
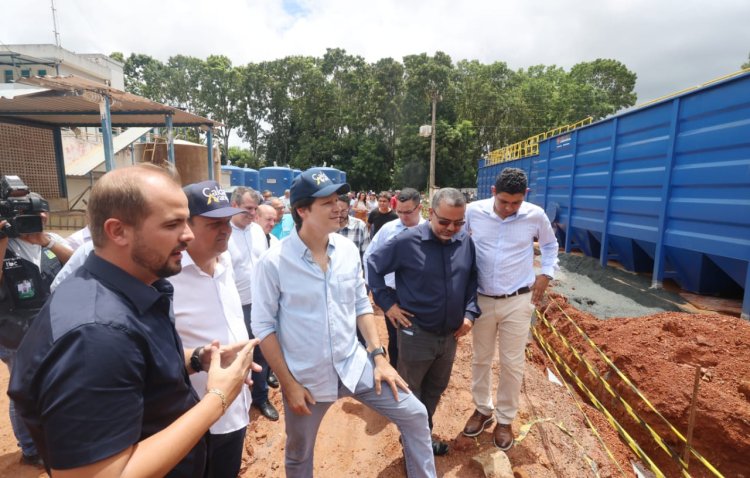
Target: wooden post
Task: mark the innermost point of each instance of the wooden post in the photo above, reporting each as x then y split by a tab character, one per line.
691	419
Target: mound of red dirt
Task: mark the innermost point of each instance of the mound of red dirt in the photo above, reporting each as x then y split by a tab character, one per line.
660	354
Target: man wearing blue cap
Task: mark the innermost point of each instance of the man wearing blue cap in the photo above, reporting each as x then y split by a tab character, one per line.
207	307
309	298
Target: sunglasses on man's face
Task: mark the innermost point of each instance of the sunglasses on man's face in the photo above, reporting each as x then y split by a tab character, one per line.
447	222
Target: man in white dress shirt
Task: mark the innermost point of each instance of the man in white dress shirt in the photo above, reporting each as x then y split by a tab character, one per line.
246	233
207	307
504	228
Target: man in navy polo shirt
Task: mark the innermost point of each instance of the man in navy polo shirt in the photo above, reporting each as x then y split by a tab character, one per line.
101	378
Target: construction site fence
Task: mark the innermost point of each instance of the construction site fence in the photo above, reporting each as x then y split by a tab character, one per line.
566	371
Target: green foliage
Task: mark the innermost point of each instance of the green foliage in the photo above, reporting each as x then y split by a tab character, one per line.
363	118
747	63
244	158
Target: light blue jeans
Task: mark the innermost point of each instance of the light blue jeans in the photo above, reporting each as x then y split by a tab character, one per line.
408	413
23	437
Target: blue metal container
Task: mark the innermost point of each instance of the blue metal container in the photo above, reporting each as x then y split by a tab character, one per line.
252	178
663	189
237	175
275	179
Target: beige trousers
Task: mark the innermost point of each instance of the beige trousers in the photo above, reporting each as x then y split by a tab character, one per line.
504	322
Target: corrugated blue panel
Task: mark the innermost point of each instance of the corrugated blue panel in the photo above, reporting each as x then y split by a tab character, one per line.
675	190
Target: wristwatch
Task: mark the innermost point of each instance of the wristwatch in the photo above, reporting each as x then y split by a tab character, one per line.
378	351
195	360
52	241
548	276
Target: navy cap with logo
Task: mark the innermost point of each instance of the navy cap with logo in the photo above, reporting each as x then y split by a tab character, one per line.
314	184
208	199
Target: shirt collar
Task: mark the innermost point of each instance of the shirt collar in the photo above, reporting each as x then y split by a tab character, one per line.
489	209
300	249
142	296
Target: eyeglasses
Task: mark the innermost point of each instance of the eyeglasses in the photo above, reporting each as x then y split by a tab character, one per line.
446	222
406	213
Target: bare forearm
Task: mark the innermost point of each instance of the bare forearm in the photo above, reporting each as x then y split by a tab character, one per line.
366	325
275	357
159	453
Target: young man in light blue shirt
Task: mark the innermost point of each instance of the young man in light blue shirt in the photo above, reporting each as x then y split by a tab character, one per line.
309	298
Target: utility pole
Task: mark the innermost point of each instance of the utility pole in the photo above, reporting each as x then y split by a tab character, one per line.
431	186
56	31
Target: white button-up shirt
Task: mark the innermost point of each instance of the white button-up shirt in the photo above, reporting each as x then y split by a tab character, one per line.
389	230
505	247
314	314
208	308
260	241
243	259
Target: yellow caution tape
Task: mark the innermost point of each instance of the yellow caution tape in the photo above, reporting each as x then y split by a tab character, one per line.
630	384
578	403
595	401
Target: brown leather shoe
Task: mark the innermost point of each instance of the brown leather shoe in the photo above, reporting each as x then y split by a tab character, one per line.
477	423
503	436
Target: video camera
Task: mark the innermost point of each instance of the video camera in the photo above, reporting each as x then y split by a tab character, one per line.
20	208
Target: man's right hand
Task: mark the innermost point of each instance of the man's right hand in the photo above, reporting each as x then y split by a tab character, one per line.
399	316
230	376
297	397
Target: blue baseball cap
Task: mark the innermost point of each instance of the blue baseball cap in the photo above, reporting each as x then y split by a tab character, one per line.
314	184
208	199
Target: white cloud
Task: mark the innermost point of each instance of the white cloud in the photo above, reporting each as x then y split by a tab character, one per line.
669	44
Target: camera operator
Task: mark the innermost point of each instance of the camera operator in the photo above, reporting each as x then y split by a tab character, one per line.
30	263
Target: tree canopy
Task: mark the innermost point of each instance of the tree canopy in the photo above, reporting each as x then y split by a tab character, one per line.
364	118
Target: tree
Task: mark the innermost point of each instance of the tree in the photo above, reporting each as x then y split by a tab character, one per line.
747	63
611	85
244	158
145	76
219	95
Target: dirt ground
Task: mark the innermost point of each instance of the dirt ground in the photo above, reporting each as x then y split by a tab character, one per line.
658	352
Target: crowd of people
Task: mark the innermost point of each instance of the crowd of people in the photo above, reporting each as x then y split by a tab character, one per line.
138	346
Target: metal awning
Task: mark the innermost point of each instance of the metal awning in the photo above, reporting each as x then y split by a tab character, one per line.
11	58
73	101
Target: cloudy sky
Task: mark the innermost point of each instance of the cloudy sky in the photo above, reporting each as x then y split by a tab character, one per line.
670	44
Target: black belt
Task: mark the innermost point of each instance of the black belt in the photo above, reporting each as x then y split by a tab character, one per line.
522	290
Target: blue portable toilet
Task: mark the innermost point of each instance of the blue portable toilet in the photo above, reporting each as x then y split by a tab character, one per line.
296	172
237	175
252	178
275	179
342	176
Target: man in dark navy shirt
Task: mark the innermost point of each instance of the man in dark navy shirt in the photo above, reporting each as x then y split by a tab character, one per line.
435	300
101	378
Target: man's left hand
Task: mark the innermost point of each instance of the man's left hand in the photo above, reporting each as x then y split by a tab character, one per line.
464	329
537	290
228	354
385	372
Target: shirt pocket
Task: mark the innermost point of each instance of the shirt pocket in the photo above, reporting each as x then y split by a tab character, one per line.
345	288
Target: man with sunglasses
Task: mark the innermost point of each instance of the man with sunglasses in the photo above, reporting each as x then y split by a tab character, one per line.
435	300
504	228
409	211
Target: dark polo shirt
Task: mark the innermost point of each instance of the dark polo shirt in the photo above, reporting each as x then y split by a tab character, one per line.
102	368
